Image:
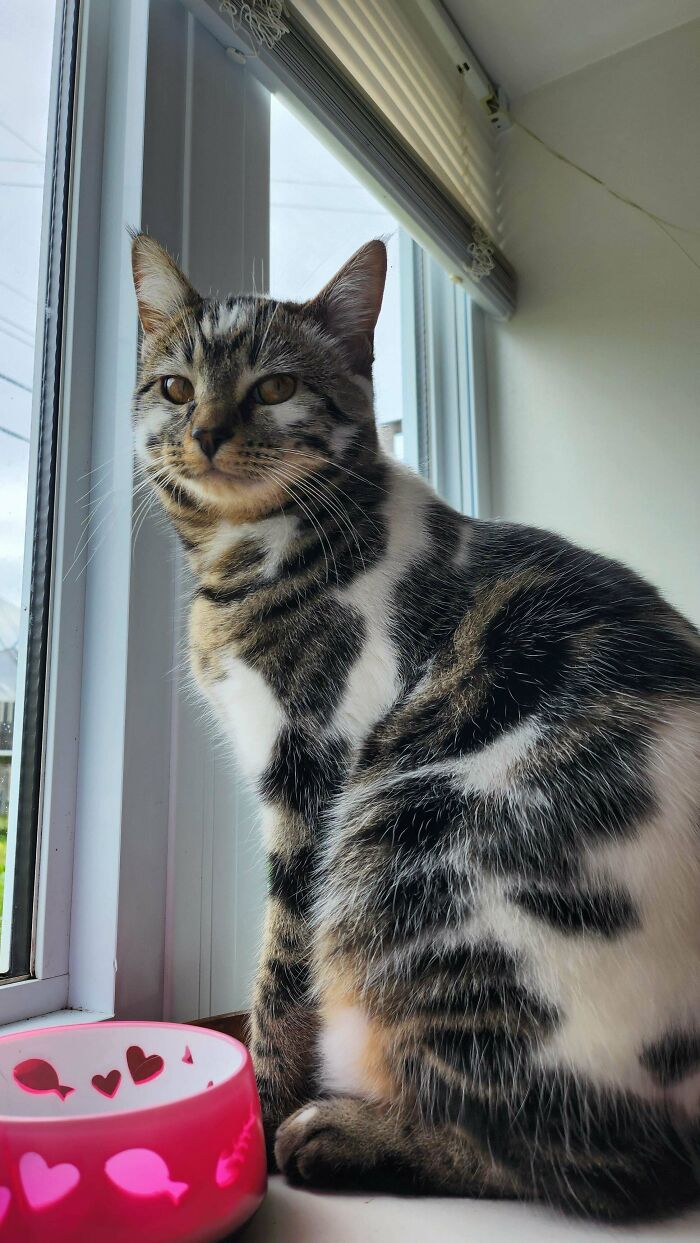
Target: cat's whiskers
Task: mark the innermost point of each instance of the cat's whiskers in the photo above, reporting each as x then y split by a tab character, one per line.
317	496
311	488
287	485
309	482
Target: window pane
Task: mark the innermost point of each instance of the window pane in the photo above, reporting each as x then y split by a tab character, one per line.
26	46
319	214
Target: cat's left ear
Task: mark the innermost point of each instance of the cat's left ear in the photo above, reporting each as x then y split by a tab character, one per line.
349	305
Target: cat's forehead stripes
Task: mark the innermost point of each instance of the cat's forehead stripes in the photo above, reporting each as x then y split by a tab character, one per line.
223	318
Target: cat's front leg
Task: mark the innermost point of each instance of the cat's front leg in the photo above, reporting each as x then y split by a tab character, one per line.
283	1022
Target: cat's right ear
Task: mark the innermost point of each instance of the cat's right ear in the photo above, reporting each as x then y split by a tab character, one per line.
161	289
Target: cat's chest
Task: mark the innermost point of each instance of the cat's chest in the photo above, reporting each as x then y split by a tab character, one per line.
248	711
254	717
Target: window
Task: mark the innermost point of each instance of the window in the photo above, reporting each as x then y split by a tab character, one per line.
319	214
30	214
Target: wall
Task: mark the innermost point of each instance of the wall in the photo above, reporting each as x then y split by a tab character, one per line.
594	386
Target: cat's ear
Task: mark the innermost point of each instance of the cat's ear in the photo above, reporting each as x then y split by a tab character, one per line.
161	289
349	305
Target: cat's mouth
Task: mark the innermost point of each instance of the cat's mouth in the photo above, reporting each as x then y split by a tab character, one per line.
232	474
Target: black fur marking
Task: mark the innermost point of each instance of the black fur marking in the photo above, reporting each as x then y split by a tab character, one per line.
479	985
286	983
484	1053
673	1057
607	913
600	792
423	899
432	598
226	595
420	815
289	878
646	658
308	670
176	493
334	409
312	441
303	773
147	386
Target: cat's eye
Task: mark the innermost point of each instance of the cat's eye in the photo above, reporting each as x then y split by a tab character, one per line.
177	389
274	389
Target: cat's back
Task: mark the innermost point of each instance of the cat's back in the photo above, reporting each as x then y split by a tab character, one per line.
555	620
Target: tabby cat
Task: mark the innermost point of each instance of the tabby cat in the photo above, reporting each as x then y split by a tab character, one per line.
477	749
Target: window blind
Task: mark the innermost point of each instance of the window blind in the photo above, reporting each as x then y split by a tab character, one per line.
386	82
378	73
415	88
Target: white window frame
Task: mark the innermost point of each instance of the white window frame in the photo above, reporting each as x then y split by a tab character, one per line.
150	877
85	843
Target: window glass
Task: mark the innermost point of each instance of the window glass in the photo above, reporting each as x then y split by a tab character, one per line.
319	215
26	44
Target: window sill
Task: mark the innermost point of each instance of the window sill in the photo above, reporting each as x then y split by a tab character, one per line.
289	1215
59	1018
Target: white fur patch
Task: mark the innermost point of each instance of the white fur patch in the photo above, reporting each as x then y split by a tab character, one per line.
342	1045
462	552
150	424
249	713
273	535
304	1116
618	995
373	682
286	413
490	770
228	318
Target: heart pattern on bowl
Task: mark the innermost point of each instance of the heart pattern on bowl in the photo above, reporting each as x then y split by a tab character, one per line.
142	1067
187	1056
107	1084
43	1184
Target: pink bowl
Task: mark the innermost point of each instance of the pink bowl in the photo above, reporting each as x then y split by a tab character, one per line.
127	1131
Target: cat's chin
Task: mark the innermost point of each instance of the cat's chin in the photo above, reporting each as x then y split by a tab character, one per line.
238	497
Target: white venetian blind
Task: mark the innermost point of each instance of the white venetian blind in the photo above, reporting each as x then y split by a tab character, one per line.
392	51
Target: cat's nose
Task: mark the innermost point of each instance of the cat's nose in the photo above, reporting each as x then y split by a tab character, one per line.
210	438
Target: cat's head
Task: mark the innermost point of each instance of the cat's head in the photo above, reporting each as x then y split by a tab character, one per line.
241	400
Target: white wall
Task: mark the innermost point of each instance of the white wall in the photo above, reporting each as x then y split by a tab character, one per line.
594	387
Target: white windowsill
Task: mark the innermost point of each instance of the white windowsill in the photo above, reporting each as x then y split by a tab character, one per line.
59	1018
289	1215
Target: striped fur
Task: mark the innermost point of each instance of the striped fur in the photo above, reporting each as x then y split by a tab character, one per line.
477	749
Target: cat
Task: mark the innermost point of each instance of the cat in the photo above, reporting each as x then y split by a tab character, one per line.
477	749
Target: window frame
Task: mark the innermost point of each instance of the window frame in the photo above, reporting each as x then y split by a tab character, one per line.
80	833
118	842
28	750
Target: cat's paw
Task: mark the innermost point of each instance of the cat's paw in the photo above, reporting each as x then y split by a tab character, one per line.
318	1145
